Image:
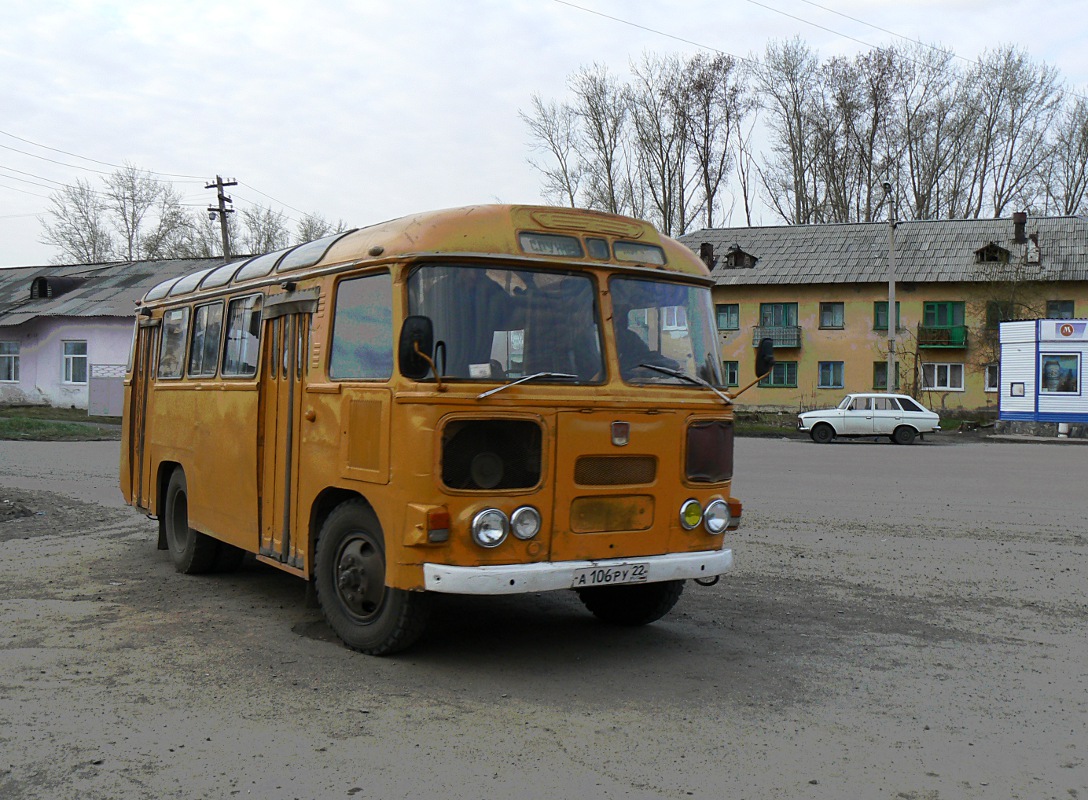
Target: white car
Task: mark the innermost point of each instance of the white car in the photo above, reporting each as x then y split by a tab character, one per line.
896	416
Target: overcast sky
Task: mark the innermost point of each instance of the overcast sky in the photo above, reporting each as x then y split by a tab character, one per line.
364	111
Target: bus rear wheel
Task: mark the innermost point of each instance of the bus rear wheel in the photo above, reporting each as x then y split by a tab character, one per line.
349	567
634	604
192	551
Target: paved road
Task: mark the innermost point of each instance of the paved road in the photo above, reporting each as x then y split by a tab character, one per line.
904	622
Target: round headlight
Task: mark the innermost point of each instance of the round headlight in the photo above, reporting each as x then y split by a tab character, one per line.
691	514
489	527
525	522
716	517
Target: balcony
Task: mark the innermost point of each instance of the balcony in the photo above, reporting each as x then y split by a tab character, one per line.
942	336
781	335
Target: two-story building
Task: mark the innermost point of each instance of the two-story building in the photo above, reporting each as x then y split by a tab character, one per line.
820	292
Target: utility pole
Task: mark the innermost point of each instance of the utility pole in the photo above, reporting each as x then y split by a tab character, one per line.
892	321
222	210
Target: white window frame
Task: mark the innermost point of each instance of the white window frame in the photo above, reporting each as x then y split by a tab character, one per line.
932	374
71	359
9	362
992	378
731	372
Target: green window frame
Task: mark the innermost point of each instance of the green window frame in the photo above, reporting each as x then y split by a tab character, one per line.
777	315
880	375
832	315
1059	309
782	376
880	316
728	316
943	314
731	371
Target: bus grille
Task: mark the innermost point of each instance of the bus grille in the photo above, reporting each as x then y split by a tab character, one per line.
491	454
614	470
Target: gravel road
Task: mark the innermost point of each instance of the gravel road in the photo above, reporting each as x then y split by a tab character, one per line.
903	622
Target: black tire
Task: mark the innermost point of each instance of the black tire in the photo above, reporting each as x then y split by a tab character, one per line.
192	551
349	567
634	604
904	434
822	433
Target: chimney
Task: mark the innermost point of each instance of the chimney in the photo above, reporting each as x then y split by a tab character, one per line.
1019	222
706	253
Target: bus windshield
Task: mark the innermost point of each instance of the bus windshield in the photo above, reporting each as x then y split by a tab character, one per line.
667	325
494	324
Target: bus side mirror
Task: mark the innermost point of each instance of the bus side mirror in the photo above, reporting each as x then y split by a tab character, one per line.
416	344
764	357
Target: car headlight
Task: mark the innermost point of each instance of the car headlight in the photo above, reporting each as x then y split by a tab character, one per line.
525	522
691	514
489	528
716	517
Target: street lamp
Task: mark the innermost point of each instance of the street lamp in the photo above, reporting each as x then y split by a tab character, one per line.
891	286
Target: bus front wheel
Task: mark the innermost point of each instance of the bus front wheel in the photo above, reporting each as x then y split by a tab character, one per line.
633	604
192	551
349	567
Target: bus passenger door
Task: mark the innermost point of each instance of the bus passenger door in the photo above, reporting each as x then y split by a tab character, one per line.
287	340
142	362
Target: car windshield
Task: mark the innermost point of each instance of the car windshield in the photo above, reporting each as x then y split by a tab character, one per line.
667	325
494	324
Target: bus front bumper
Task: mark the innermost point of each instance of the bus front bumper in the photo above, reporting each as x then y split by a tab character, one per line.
548	576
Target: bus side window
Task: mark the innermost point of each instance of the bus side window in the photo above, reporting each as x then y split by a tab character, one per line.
175	329
362	329
204	348
243	336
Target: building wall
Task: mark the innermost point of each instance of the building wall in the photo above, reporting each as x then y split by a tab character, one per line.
859	346
41	357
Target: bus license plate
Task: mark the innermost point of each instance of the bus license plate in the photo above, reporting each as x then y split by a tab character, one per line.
610	576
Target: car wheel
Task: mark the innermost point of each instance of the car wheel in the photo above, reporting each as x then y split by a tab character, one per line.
349	567
904	434
822	433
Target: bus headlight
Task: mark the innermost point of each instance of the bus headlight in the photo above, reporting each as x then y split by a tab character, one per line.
525	522
716	517
489	528
691	514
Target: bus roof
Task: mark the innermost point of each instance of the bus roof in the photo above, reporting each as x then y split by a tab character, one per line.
475	230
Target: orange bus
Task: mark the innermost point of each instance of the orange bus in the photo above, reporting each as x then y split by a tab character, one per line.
486	400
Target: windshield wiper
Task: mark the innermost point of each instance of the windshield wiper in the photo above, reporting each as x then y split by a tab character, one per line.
689	378
526	379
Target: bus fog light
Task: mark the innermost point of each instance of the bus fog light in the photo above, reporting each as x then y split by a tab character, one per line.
716	517
691	514
525	522
489	528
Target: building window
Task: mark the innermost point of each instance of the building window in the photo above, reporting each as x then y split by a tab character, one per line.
948	377
831	375
992	254
880	375
728	316
675	318
1059	309
1060	373
942	315
777	315
732	373
9	362
782	375
880	315
998	311
831	315
993	377
75	362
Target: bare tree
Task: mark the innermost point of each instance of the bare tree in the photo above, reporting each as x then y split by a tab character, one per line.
1067	173
77	225
601	103
263	230
554	130
131	195
315	226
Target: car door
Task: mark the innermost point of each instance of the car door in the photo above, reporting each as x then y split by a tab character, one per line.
887	415
857	418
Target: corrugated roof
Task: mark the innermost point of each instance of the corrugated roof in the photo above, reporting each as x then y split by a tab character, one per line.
926	251
108	290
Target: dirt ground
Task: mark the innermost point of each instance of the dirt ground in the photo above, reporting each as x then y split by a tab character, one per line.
903	622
